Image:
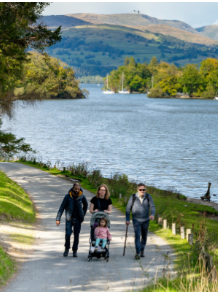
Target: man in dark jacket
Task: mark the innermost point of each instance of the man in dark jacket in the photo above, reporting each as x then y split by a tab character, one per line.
139	204
75	206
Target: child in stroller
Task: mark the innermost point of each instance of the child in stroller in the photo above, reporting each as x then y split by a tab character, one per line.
100	236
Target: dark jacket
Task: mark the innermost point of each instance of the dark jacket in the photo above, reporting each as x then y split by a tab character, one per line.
68	206
140	211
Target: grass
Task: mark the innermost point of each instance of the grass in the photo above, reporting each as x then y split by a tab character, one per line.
15	206
171	206
7	267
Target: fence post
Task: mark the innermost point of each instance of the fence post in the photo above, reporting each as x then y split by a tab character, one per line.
174	228
125	199
120	196
190	238
188	231
64	168
160	220
182	232
165	224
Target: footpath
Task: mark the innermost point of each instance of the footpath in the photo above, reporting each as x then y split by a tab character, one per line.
45	269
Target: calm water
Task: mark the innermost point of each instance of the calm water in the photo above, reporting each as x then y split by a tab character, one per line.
167	143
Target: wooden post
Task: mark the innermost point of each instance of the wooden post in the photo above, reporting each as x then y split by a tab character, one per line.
190	238
182	232
188	231
160	220
120	196
174	228
165	224
64	168
125	199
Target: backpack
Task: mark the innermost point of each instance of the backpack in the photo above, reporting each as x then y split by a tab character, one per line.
133	200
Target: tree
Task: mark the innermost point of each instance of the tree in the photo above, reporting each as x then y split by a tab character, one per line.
191	79
20	30
48	79
10	145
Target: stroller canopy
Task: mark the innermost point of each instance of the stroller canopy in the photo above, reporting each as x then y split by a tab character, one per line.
99	215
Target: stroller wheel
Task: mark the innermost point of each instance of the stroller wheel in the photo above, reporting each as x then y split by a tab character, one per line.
89	259
107	259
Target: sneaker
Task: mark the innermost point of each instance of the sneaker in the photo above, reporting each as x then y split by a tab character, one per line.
75	254
65	254
137	256
142	254
92	249
99	248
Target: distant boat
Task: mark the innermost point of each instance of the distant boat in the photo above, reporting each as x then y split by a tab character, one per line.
98	84
123	91
216	98
108	91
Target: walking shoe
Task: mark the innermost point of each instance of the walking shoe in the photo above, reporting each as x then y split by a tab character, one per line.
92	249
75	254
65	254
142	254
137	256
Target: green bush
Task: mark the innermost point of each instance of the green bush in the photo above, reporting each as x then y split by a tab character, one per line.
155	92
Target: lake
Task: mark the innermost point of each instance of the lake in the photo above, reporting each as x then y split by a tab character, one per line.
168	143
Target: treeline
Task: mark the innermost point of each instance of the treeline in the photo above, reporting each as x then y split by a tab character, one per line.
48	77
91	79
162	79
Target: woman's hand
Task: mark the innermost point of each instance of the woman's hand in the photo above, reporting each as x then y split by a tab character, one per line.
106	211
96	210
57	223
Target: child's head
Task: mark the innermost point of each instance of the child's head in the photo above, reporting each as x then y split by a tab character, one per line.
103	222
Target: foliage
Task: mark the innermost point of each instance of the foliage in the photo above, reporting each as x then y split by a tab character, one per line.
10	145
91	79
164	80
155	92
20	30
47	79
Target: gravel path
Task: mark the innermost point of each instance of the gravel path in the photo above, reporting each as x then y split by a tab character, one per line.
47	270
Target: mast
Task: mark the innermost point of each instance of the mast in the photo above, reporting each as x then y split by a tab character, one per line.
122	81
107	81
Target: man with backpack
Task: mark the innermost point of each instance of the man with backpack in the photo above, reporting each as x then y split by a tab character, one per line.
140	204
75	206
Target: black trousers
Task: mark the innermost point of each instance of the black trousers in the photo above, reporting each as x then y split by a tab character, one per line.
76	225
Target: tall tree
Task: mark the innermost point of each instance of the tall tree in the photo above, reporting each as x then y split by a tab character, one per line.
21	28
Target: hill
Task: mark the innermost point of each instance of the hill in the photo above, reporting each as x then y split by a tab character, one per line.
130	19
210	31
181	34
95	44
98	49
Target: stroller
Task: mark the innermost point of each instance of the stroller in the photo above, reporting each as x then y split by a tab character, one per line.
98	254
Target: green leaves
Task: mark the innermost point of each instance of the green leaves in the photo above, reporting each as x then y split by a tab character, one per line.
20	30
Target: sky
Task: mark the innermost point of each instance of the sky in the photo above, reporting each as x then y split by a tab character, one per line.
196	14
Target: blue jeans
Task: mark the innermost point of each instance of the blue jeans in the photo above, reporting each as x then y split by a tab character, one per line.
104	241
141	232
76	224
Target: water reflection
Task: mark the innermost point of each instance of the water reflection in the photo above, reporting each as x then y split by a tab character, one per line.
167	143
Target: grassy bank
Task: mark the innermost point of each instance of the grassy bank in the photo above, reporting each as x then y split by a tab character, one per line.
15	206
170	205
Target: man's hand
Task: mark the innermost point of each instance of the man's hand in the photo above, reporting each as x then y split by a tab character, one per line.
58	223
152	217
127	222
96	210
106	211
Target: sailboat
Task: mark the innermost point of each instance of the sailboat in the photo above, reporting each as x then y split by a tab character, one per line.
123	91
108	91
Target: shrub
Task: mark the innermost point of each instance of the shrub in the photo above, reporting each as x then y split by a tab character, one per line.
156	92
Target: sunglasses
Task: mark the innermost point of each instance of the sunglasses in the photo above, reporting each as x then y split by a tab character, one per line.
142	190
